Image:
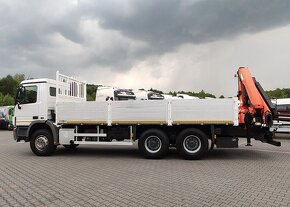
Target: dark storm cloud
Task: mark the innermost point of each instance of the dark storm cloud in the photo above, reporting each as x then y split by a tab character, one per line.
163	25
168	23
29	23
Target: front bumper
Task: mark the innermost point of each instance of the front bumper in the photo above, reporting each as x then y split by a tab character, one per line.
20	133
14	134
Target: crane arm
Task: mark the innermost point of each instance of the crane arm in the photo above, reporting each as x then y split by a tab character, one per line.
255	107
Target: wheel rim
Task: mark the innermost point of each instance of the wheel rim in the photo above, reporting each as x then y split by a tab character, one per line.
153	144
192	144
41	142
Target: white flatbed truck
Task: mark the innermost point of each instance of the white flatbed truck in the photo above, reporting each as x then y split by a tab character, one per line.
49	113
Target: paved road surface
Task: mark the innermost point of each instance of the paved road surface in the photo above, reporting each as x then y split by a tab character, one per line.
119	176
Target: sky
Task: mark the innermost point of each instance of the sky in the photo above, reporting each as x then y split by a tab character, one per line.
170	45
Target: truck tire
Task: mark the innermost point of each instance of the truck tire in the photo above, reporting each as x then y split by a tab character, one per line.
41	143
192	144
70	146
153	144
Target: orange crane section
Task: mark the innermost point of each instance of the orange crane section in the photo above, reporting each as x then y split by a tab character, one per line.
253	108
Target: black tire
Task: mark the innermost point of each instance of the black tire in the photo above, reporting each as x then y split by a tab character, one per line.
153	144
70	146
192	144
41	143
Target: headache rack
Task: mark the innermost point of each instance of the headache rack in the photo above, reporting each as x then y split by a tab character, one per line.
69	89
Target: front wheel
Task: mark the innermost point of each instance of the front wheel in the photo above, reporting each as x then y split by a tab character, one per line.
41	143
153	144
192	144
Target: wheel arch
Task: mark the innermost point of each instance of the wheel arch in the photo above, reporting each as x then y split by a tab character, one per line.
170	131
44	124
173	131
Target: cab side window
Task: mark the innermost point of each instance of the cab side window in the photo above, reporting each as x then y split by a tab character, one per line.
52	91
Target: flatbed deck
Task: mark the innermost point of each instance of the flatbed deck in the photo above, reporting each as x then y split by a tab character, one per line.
161	112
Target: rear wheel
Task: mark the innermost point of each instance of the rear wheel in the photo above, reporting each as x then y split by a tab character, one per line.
153	144
192	144
41	143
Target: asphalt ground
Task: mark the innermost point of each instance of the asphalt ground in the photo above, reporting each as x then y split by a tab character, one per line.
119	176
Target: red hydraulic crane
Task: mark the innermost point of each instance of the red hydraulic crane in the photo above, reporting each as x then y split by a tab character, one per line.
255	106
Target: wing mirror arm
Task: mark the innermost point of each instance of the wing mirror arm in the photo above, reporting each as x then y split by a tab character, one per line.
18	105
20	91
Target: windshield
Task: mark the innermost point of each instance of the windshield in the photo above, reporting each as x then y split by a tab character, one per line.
122	98
122	94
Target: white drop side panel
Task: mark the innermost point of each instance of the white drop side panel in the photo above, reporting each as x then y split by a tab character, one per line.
139	111
219	111
83	112
195	111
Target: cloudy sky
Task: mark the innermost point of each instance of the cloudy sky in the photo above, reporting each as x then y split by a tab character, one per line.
166	44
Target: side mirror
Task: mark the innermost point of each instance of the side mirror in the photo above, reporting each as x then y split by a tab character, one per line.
19	96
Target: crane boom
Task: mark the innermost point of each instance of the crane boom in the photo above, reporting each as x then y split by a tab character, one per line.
255	107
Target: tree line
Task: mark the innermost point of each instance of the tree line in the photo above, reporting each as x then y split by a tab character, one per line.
8	88
9	84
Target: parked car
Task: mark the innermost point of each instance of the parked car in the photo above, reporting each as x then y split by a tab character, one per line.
3	121
10	117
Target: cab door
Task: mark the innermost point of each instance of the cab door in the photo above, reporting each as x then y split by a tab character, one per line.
27	108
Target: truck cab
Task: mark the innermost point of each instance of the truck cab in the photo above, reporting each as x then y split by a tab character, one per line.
35	100
105	93
147	95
